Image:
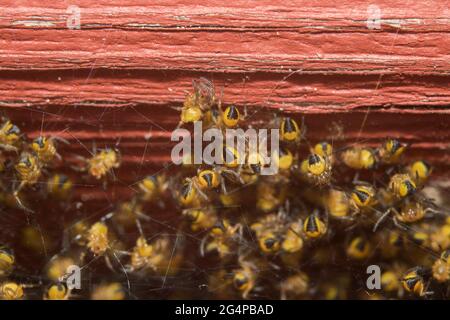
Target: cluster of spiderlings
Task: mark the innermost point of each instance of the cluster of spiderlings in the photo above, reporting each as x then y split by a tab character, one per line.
30	183
310	231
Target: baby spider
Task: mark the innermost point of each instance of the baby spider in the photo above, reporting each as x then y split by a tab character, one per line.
206	180
231	116
362	201
223	238
359	158
362	198
151	188
391	280
101	163
154	256
244	278
9	136
284	160
45	149
294	286
7	261
323	149
270	196
274	233
100	242
11	291
28	170
316	170
411	211
59	187
201	218
338	204
250	172
419	171
198	102
391	151
413	281
190	194
269	231
57	291
97	236
441	267
292	240
290	131
108	291
314	227
232	157
144	256
126	215
359	248
440	238
211	179
401	186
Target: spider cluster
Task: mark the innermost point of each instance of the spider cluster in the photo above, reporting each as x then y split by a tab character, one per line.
309	231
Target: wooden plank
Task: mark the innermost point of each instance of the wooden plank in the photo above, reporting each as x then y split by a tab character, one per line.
242	38
296	93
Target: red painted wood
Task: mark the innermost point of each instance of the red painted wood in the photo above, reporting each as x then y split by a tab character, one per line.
306	93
